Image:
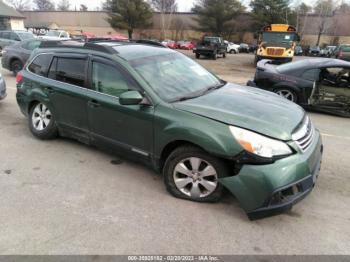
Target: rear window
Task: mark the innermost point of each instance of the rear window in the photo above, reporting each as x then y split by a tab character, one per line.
40	64
345	48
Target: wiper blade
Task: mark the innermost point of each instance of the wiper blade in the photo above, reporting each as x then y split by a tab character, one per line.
214	87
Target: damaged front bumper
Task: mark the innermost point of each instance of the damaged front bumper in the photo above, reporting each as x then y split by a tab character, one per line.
265	190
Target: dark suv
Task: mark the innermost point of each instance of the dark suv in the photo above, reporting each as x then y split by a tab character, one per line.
158	106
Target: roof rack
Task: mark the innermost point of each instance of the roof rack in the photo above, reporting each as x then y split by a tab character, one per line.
136	41
79	45
148	42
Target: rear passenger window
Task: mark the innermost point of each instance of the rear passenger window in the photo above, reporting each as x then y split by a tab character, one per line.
15	37
40	64
6	35
68	70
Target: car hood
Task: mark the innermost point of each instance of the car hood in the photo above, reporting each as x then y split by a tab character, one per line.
247	107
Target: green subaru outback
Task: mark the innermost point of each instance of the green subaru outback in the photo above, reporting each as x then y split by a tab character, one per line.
162	108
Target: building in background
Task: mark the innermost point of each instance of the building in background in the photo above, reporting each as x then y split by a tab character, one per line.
10	19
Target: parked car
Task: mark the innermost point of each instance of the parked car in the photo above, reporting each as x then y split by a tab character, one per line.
243	48
252	48
56	35
298	50
315	51
232	48
2	88
169	43
321	84
179	43
186	45
343	52
328	51
200	132
15	56
211	46
11	37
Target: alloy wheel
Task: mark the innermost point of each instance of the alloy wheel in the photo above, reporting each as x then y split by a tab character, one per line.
41	117
195	177
286	94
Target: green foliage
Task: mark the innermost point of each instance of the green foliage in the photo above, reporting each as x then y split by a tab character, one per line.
267	12
129	15
63	5
215	16
44	5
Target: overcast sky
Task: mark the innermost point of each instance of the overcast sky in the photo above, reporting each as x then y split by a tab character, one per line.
184	5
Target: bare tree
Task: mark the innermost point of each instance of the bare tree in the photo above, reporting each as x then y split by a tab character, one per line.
324	10
83	7
20	5
63	5
179	26
166	8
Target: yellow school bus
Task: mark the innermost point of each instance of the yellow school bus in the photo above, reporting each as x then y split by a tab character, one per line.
277	42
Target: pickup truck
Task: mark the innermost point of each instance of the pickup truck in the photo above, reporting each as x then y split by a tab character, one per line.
211	47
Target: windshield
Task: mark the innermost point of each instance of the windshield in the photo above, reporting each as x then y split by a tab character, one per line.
25	36
281	38
345	48
53	33
174	76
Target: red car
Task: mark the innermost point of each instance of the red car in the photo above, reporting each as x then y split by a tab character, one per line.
187	45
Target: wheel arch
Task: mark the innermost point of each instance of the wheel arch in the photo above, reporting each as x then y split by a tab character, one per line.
297	90
170	147
13	59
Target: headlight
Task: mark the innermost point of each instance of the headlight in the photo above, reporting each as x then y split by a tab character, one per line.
258	144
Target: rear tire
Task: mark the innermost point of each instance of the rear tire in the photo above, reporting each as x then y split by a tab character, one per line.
198	56
16	66
215	56
287	93
42	122
224	55
191	173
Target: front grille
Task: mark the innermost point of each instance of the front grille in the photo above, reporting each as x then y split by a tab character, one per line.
304	135
275	51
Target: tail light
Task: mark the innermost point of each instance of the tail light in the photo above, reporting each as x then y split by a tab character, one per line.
19	78
340	54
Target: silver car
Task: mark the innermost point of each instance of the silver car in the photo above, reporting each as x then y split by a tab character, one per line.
2	88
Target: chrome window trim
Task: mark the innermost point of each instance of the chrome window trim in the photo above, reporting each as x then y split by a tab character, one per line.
75	86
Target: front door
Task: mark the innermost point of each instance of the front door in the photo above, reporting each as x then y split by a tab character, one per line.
334	87
124	127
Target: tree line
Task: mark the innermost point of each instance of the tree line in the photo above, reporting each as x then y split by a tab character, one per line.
220	17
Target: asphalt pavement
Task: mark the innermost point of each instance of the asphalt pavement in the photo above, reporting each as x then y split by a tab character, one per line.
62	197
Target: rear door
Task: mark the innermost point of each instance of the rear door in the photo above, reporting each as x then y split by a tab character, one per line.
129	128
66	88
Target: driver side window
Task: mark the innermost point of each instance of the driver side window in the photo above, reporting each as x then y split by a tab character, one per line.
108	80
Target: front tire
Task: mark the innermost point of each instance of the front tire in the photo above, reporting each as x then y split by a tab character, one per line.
42	122
198	56
192	174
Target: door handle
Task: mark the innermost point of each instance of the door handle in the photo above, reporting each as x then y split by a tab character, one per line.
93	103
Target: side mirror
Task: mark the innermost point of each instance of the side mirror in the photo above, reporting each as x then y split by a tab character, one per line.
130	98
